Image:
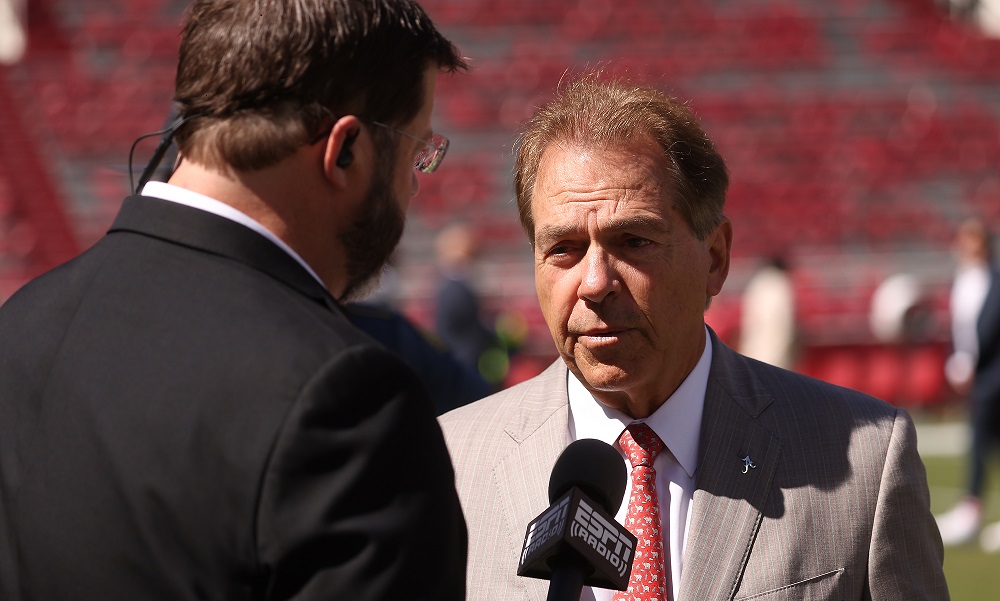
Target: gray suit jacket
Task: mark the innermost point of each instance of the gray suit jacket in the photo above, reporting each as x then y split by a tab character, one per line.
837	507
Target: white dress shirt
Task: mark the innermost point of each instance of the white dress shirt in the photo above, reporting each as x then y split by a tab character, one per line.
968	293
183	196
678	424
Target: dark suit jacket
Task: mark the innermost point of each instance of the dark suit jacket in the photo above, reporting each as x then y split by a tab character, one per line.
186	414
986	386
836	509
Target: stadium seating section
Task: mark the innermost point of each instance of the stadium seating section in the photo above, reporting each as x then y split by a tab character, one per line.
857	134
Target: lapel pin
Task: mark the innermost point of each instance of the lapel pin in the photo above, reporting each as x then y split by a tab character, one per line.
748	464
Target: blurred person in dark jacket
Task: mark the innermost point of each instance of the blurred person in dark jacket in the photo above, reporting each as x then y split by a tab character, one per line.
449	382
459	317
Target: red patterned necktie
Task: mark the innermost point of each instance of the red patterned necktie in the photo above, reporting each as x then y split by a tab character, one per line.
648	581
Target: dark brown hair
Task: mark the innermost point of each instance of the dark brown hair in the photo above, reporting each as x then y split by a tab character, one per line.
612	113
263	75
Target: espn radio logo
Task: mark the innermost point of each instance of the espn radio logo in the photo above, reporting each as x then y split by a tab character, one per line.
604	536
546	528
575	524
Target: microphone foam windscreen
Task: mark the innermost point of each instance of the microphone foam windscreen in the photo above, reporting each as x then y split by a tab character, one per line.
594	467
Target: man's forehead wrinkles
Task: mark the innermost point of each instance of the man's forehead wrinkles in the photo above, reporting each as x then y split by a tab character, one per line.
590	194
635	222
612	224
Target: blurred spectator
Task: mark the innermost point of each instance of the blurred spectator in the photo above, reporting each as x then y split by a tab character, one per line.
900	311
458	314
768	329
974	368
449	382
13	40
984	14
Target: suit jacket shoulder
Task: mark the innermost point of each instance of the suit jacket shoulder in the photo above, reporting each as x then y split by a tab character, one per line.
185	398
814	484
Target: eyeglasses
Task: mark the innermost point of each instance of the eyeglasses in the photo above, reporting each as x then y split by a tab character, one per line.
426	161
430	157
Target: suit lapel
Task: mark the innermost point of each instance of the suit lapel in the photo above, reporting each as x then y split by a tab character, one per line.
727	505
540	430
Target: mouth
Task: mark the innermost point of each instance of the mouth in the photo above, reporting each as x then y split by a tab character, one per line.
594	338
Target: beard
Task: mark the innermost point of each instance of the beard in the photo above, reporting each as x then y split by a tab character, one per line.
372	237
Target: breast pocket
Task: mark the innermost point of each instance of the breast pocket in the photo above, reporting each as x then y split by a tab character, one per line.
824	587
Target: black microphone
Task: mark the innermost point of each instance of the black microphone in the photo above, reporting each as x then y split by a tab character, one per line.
576	541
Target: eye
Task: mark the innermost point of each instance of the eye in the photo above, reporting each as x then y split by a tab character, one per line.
561	253
636	242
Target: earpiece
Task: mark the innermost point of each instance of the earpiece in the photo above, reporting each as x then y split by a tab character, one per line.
345	158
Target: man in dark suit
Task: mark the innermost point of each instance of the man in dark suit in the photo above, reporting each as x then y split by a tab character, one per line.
756	482
185	411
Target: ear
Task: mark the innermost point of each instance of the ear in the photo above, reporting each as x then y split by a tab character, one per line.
340	150
719	243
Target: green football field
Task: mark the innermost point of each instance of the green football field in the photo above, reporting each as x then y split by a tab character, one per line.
972	574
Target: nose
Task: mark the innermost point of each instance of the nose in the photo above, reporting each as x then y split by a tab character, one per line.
599	278
414	184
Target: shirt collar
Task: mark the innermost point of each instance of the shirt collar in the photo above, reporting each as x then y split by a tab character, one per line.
677	422
183	196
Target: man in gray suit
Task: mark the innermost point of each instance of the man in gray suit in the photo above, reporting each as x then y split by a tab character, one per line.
772	485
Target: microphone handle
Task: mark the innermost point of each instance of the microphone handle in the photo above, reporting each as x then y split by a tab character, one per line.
568	573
